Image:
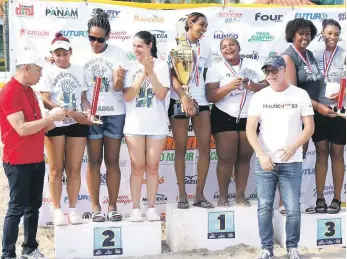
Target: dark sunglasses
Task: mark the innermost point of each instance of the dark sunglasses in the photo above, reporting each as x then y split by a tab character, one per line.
273	71
100	40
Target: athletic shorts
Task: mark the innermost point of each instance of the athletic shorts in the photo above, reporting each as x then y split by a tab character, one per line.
73	130
221	121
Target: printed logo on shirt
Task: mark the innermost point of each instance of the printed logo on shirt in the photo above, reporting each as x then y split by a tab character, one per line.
268	18
98	67
67	82
219	35
62	12
230	16
312	16
25	10
145	96
280	106
112	14
261	36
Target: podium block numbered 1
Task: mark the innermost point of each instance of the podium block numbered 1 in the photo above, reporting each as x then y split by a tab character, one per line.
221	225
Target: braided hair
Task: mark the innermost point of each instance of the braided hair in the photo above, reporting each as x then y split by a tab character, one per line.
100	20
148	38
193	17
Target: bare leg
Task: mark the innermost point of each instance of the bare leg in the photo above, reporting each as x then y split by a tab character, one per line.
321	167
338	168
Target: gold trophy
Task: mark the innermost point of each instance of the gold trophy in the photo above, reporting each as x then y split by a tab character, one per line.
183	60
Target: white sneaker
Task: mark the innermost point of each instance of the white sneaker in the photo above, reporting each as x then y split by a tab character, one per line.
75	218
152	215
59	218
136	215
34	255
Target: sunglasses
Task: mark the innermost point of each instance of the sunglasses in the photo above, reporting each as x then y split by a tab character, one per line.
100	40
273	71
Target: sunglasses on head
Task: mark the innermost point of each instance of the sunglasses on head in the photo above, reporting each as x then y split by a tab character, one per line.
100	40
273	71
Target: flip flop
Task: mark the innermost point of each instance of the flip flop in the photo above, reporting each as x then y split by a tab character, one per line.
223	204
183	205
203	204
114	216
98	216
244	203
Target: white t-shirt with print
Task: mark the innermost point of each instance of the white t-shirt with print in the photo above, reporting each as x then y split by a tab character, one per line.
280	117
145	114
221	73
110	102
205	61
65	85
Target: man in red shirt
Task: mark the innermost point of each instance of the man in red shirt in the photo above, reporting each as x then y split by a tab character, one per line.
22	133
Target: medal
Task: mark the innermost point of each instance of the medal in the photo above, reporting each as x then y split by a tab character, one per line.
327	63
307	62
326	80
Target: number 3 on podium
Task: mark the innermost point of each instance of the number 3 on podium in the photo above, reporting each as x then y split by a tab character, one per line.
107	241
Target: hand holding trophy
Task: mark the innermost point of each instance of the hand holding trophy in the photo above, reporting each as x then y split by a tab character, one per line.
340	97
183	60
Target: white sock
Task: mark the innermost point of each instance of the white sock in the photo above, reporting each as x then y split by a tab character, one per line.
72	210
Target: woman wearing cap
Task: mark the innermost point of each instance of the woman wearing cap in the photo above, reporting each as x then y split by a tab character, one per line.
145	88
195	27
108	63
61	86
330	131
230	85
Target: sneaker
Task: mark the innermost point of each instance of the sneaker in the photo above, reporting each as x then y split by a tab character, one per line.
152	215
59	218
266	254
136	215
293	253
75	218
34	255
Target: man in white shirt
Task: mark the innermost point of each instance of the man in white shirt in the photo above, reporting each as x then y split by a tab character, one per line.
282	110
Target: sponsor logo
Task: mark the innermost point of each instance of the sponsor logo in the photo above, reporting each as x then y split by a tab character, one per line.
112	14
216	57
123	199
119	35
280	106
160	180
161	199
34	33
329	189
62	12
261	36
311	153
86	215
25	10
191	143
151	19
81	197
342	16
69	34
312	16
230	17
254	55
308	171
216	195
191	179
219	35
266	18
46	200
160	36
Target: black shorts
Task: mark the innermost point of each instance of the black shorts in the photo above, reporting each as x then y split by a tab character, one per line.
171	108
74	130
331	129
221	121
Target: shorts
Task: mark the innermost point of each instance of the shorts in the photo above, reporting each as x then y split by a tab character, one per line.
331	129
171	109
221	121
149	136
73	130
112	127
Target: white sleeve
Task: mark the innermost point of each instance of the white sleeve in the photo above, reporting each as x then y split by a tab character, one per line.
163	74
45	83
128	79
208	62
212	75
255	106
306	109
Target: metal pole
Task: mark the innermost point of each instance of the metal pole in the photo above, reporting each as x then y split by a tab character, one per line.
5	35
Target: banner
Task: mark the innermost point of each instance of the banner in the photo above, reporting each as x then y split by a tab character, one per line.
260	32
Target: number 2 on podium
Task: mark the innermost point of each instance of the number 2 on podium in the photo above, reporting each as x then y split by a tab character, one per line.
109	240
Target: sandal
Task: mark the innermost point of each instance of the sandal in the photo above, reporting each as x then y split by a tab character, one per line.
321	206
334	207
203	204
244	203
98	216
114	216
223	204
183	205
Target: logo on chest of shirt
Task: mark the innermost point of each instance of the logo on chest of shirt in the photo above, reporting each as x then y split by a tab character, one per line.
99	67
280	106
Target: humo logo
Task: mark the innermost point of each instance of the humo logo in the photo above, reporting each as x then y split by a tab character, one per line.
312	16
271	17
230	195
254	55
219	35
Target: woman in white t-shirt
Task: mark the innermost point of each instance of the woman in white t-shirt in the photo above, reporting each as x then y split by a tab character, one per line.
196	26
230	86
146	124
62	85
108	63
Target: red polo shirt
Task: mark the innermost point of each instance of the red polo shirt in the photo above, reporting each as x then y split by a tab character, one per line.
14	97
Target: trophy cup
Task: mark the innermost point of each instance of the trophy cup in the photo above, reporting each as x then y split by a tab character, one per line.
339	109
94	105
183	60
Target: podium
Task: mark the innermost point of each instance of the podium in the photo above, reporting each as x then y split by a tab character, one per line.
108	240
212	229
317	230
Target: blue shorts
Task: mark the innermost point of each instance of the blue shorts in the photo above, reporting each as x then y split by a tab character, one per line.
112	126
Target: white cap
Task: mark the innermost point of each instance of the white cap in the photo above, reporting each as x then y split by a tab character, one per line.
27	57
60	44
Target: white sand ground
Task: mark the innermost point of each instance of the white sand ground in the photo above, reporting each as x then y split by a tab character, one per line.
46	240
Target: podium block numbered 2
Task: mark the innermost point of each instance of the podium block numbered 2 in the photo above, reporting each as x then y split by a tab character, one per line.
108	241
221	225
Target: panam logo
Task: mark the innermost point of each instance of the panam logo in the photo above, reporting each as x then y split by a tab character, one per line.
62	12
151	19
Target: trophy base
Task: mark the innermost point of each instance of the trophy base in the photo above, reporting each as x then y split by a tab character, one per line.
179	113
339	112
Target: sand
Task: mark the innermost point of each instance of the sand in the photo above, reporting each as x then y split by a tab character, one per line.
45	238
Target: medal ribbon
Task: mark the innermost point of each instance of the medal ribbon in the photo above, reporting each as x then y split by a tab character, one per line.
326	65
305	59
232	69
197	79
